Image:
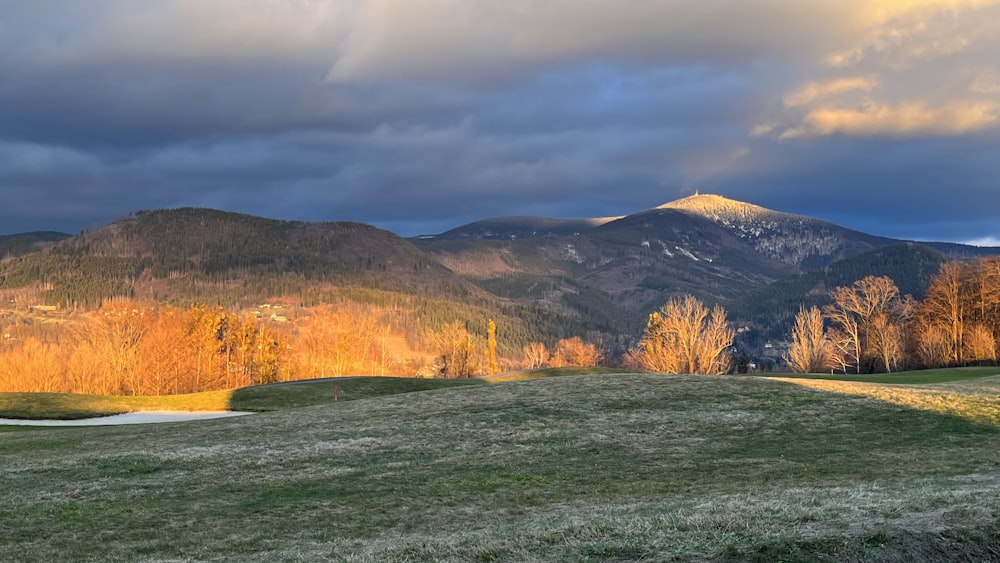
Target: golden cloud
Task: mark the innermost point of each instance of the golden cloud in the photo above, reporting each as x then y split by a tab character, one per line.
815	91
907	118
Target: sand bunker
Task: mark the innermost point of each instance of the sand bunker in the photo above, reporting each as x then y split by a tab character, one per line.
146	417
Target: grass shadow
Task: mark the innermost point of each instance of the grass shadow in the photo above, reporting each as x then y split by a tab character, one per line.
308	393
879	544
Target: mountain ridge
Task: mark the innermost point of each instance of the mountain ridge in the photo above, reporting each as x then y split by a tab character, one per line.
715	248
602	275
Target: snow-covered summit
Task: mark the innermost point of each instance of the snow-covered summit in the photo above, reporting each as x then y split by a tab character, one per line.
722	209
782	236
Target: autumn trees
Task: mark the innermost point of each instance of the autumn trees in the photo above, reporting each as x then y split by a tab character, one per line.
568	352
344	340
126	349
130	349
574	352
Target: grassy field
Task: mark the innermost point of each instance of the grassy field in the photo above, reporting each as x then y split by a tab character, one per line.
617	467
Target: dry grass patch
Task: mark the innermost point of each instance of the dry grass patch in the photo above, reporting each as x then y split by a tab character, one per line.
66	406
977	400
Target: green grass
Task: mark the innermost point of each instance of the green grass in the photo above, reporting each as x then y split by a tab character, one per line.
621	467
65	406
544	373
943	375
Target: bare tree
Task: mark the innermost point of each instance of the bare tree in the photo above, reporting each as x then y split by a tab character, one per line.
535	355
811	350
980	346
933	346
855	311
886	340
456	351
844	347
683	337
943	308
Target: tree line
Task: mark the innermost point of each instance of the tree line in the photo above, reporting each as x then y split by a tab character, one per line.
129	348
869	327
126	347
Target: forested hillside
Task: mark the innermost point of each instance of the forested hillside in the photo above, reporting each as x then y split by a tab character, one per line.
497	294
26	243
96	312
772	308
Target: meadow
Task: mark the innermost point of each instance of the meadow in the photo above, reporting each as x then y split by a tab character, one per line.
588	467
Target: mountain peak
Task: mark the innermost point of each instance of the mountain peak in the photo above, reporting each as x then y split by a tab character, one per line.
715	206
791	239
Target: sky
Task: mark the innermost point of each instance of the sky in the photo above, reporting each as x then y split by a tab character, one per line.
422	115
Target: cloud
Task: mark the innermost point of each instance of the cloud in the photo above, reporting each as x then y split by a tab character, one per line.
118	31
910	68
814	91
986	241
420	114
910	118
478	40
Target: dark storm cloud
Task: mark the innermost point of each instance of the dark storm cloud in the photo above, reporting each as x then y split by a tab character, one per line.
421	115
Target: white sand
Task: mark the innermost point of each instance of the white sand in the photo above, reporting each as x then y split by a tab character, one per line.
145	417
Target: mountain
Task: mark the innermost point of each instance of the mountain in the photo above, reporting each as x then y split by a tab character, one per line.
204	256
215	246
26	243
799	241
755	260
503	228
707	245
540	278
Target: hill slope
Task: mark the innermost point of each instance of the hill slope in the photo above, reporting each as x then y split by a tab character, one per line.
26	243
202	256
773	307
167	250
